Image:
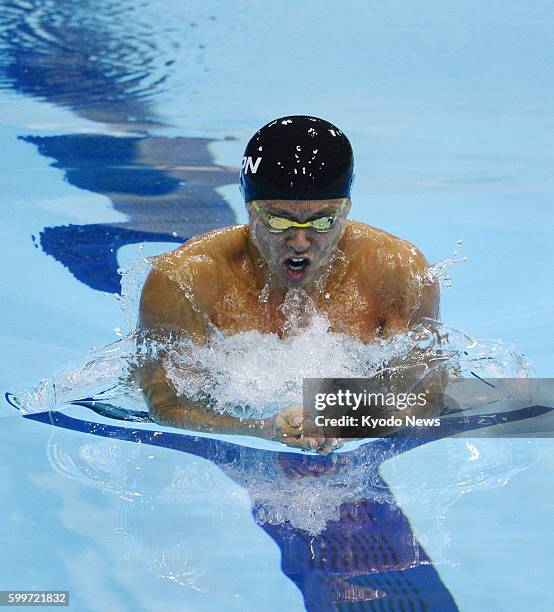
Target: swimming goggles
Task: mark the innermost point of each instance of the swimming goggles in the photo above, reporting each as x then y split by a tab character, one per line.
277	224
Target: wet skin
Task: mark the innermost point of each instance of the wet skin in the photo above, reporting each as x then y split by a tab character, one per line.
367	282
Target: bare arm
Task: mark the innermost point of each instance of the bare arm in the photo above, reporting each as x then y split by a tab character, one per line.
169	409
165	306
421	369
412	294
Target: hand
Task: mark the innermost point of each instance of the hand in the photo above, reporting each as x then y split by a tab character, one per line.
288	428
295	466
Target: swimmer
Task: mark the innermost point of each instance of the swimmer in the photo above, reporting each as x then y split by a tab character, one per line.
296	179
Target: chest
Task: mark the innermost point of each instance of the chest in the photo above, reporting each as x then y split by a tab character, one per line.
348	309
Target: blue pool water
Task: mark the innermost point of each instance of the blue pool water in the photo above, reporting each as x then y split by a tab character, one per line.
122	127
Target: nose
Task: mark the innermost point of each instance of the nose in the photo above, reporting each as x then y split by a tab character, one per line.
298	240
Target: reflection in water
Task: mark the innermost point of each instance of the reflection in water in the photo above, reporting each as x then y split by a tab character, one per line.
342	536
98	60
102	62
166	187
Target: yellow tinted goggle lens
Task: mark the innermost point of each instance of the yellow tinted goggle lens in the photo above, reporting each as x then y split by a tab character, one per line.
279	223
323	224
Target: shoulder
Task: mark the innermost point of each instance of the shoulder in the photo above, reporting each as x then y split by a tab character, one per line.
186	279
203	253
197	263
370	245
396	273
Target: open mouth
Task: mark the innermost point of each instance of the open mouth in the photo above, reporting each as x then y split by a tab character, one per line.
296	268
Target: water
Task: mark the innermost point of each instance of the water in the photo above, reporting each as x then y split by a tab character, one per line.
123	128
257	375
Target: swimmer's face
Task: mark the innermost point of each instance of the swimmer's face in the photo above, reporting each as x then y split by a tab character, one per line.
297	256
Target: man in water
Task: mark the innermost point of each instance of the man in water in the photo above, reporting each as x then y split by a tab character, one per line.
296	178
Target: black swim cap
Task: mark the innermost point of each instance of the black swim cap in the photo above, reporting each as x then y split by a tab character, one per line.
297	158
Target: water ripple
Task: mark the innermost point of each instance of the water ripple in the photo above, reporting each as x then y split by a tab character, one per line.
103	63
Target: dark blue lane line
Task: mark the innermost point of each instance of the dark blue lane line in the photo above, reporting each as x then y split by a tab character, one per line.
113	412
369	559
353	558
369	551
